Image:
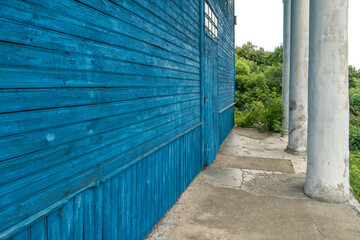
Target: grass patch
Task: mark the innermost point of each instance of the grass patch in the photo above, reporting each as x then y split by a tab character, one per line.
355	174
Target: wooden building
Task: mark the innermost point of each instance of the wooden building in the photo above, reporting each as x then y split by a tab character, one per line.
109	109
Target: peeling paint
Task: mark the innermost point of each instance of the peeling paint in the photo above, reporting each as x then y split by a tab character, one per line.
50	137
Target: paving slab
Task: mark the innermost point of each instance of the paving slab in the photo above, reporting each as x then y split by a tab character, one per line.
245	143
232	200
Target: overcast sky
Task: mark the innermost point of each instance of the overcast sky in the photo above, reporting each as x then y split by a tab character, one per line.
261	22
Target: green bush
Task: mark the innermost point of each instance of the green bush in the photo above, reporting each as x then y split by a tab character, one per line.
273	75
251	116
258	83
354	77
354	97
273	114
354	138
266	113
354	133
355	174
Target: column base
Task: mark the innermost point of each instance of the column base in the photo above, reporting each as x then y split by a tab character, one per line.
327	194
296	151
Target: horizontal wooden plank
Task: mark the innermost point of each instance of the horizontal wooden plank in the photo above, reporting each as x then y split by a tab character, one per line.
161	18
74	141
190	10
226	62
18	77
93	16
135	14
24	13
35	99
44	38
24	56
45	198
31	184
168	12
165	180
226	108
225	101
21	122
91	88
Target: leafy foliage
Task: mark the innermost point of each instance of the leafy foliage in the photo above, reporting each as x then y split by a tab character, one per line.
273	75
354	98
258	82
354	77
251	52
275	57
355	174
354	95
354	133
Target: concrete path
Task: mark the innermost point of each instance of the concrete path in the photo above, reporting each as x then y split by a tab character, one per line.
254	190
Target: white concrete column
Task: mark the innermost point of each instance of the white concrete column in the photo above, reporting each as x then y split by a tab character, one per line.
298	93
286	65
327	176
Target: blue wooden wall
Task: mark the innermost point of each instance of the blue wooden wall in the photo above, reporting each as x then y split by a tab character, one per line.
100	113
226	123
226	69
129	204
222	112
226	53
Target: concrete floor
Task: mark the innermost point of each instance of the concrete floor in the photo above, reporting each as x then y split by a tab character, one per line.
254	190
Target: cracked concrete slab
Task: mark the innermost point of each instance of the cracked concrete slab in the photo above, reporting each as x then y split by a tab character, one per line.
246	143
227	201
258	163
224	177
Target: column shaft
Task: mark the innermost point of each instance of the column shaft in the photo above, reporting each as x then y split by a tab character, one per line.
286	65
327	175
298	93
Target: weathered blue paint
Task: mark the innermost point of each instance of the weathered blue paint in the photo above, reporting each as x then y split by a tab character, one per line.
102	118
211	118
226	122
218	80
128	211
202	80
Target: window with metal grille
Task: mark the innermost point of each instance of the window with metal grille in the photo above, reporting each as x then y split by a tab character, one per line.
210	21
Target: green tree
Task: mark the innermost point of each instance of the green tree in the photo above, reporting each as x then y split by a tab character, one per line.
354	96
273	75
251	52
274	58
354	77
258	82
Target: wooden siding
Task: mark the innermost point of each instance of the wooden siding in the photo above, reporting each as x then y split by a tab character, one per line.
226	66
226	123
130	203
211	116
226	51
219	75
100	113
